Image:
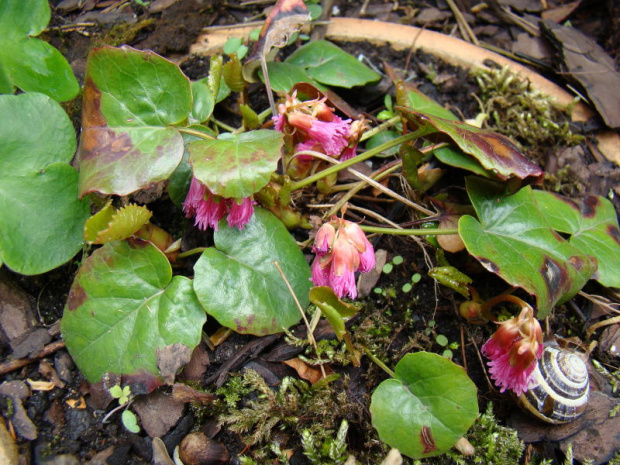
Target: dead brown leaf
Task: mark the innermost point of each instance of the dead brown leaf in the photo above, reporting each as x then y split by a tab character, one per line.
158	412
184	393
305	371
587	63
170	359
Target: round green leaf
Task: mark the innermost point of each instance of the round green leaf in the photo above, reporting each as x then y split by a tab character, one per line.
130	421
123	305
23	150
139	88
238	283
29	63
426	408
23	17
236	166
42	219
331	65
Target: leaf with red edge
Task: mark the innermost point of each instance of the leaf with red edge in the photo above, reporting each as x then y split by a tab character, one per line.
592	223
513	239
131	100
495	152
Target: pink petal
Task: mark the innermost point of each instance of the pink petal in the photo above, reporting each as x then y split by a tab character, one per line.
343	285
367	259
320	276
194	197
210	212
240	214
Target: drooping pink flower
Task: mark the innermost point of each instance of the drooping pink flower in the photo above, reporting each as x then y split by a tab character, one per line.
314	126
514	350
208	209
341	249
332	135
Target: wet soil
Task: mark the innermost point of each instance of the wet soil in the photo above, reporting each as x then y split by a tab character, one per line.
395	322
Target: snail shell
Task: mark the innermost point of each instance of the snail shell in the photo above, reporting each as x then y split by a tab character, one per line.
561	393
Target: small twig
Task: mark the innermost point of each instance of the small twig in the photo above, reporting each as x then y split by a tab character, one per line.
600	324
466	31
116	409
486	375
303	315
16	364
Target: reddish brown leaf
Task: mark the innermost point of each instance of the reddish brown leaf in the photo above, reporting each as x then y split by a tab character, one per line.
495	152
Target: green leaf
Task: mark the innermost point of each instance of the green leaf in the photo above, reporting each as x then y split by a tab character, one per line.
331	65
124	304
42	219
592	223
27	62
426	408
494	152
512	238
236	166
110	224
116	391
131	100
283	76
238	283
180	179
203	101
130	421
382	138
409	96
335	310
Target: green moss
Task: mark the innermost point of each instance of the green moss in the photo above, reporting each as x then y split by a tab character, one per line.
512	107
311	411
122	33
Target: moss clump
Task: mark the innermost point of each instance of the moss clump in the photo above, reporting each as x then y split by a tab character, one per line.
122	33
314	413
516	110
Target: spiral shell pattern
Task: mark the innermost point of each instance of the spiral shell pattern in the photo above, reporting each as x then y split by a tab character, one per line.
562	387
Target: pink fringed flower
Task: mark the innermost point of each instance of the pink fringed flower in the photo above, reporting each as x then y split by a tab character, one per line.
312	125
341	249
514	350
208	208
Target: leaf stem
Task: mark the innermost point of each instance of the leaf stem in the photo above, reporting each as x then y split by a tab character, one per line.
361	157
190	252
195	132
410	232
381	365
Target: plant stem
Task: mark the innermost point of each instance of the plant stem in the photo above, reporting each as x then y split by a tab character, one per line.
493	301
361	157
195	132
386	124
409	232
381	365
190	252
